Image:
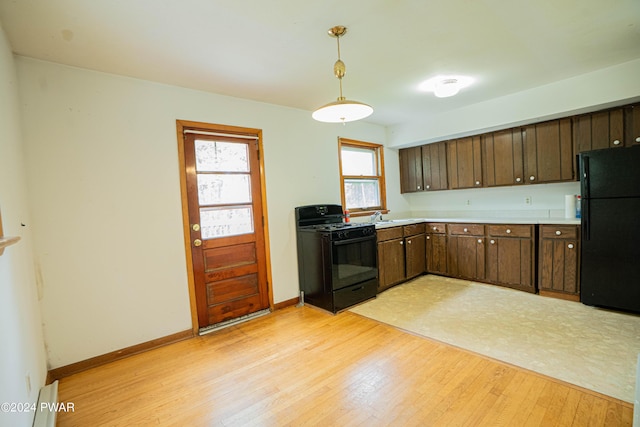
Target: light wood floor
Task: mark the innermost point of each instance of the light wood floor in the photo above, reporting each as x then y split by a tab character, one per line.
301	366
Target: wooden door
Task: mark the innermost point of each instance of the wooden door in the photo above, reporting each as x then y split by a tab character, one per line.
415	254
467	257
503	158
434	166
602	129
632	124
226	228
464	163
548	152
437	253
410	169
391	263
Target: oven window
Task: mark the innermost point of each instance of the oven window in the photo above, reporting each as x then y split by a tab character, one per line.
354	262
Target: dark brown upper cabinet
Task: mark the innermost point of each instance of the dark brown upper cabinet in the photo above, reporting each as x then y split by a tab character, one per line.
504	164
602	129
434	166
632	124
464	162
548	152
411	170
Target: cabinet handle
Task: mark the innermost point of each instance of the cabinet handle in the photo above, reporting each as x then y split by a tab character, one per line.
493	242
477	182
479	240
558	233
428	237
638	139
402	243
427	187
418	187
466	229
518	180
570	245
532	178
435	228
616	142
409	241
508	231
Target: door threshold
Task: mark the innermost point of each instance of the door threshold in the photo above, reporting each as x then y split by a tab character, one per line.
231	322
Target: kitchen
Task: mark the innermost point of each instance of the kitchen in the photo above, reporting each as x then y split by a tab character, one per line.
75	142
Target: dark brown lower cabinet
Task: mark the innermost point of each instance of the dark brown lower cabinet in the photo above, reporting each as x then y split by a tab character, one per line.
415	255
559	261
466	251
391	259
511	256
436	248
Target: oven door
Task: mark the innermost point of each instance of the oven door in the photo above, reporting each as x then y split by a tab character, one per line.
354	261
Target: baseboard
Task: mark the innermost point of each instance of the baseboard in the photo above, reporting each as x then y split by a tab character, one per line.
568	297
285	304
74	368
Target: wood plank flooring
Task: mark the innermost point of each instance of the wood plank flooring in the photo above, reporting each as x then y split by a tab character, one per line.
305	367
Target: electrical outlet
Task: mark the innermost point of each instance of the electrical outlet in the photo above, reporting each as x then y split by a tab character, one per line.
468	202
527	200
27	379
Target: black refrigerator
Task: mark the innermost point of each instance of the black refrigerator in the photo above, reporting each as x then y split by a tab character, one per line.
610	257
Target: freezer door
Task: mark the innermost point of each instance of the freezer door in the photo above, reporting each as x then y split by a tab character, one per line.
610	173
610	262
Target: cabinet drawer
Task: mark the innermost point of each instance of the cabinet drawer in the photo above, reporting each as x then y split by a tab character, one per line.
559	231
511	230
389	233
466	229
435	227
413	229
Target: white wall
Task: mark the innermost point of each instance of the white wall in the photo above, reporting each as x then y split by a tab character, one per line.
104	187
610	86
21	342
547	201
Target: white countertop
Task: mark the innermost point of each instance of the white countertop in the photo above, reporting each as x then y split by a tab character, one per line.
480	220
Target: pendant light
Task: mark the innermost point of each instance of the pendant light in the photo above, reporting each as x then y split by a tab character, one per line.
342	110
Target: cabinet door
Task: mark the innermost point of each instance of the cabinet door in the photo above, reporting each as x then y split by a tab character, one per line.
467	257
503	157
391	263
415	255
464	163
410	169
602	129
632	124
559	266
510	262
434	166
548	152
437	254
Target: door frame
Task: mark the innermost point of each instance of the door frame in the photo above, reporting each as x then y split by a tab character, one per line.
181	125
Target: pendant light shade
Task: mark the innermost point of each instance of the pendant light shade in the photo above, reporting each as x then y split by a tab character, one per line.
342	110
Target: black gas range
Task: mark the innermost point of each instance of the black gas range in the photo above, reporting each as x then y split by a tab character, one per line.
337	261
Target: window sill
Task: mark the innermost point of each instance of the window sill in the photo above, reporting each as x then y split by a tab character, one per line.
367	213
7	241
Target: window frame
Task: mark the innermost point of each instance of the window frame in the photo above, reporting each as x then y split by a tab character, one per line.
380	177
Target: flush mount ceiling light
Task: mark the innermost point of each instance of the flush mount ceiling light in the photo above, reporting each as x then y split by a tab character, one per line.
342	110
445	86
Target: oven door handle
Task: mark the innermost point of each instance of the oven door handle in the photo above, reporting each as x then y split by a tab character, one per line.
357	240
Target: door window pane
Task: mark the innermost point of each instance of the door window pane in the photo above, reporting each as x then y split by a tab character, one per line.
227	221
215	189
362	193
358	161
216	156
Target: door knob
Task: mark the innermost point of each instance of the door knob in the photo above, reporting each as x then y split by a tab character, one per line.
197	242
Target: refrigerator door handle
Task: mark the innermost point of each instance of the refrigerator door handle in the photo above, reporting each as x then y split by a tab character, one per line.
586	216
585	177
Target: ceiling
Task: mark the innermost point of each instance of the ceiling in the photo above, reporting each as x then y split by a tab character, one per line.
279	52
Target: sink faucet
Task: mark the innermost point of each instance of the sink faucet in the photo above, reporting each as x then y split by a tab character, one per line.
377	216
